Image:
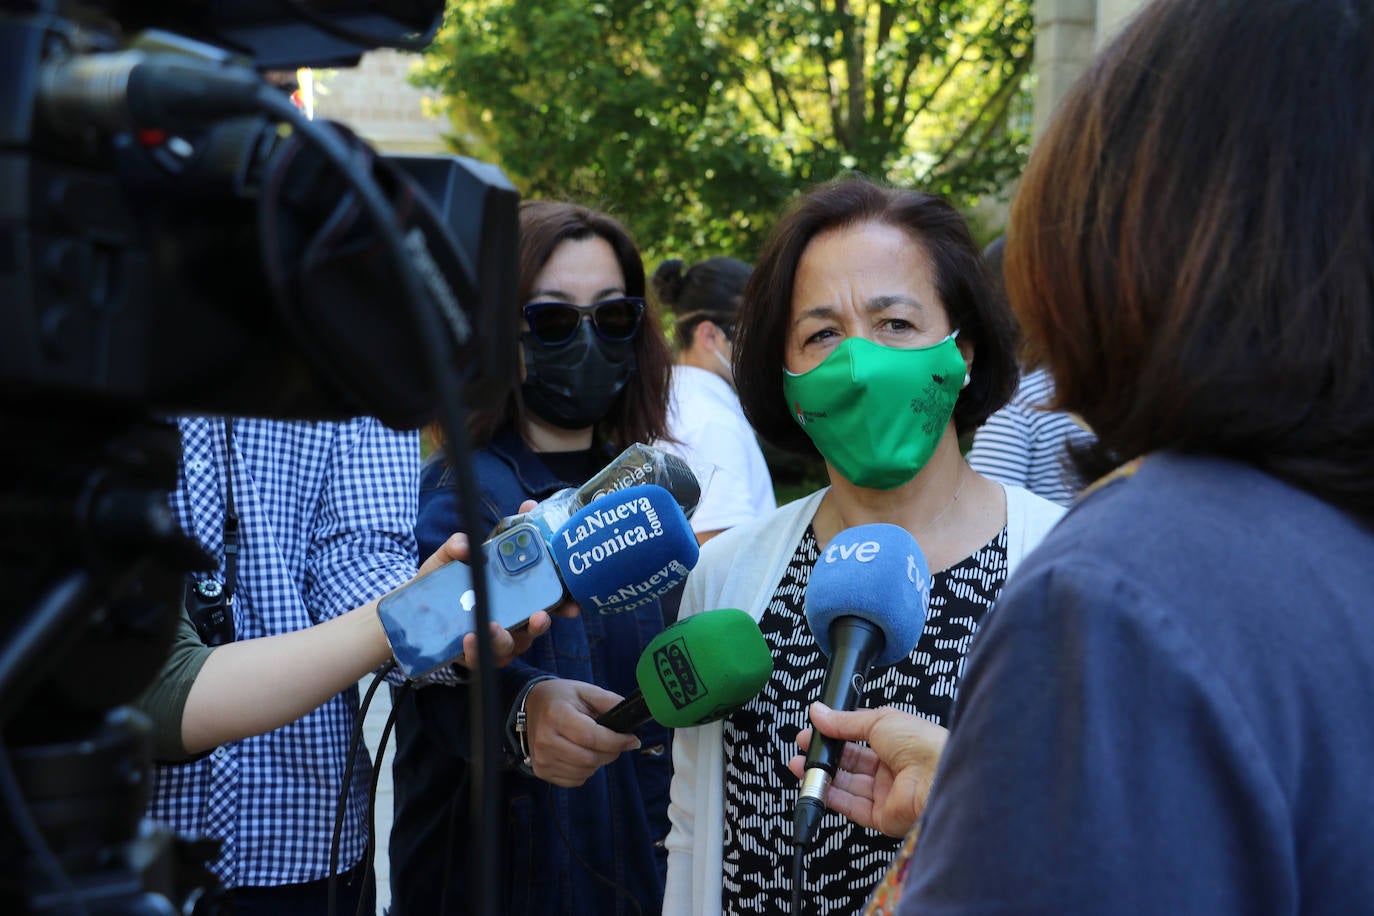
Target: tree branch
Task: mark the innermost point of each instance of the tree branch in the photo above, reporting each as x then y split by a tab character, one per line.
1001	99
903	124
776	121
781	88
837	125
887	18
854	43
912	60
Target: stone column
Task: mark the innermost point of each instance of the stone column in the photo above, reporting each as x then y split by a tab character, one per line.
1064	36
1112	15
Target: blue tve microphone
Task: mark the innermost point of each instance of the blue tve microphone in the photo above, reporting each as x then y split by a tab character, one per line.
625	549
866	604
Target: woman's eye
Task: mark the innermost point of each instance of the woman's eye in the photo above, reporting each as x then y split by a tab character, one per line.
899	325
818	336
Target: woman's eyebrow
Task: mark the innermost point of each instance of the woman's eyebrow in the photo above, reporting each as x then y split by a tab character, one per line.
876	304
562	296
817	311
887	301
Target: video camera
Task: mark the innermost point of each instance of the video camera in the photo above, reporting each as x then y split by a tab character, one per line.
176	237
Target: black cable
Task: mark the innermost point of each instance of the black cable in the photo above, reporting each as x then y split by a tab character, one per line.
355	742
366	40
27	828
448	836
618	888
798	857
485	734
370	876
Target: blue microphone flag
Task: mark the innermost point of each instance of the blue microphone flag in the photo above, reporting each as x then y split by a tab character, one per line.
625	549
876	573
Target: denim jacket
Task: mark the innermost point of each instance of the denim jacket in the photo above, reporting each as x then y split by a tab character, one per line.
615	823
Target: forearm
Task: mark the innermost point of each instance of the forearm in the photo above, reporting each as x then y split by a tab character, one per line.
251	687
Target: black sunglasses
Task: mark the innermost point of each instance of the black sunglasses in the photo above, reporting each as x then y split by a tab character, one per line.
614	320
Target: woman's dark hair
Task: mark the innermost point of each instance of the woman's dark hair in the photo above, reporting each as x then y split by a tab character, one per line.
1192	245
640	413
709	290
981	317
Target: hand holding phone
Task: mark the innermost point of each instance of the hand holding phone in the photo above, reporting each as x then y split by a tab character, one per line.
426	619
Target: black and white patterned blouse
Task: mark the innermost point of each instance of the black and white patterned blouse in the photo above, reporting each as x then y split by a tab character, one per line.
846	860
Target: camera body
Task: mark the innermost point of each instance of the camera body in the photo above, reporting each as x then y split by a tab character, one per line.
168	247
211	614
142	225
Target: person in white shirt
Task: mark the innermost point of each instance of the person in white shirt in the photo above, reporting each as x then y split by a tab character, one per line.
704	415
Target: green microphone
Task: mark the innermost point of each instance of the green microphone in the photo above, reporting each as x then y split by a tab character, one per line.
698	670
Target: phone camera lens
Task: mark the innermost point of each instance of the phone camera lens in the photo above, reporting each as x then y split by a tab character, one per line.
518	552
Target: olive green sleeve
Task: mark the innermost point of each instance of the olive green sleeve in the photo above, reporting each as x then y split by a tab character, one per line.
164	701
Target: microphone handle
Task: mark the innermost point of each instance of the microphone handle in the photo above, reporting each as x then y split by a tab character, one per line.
627	715
855	643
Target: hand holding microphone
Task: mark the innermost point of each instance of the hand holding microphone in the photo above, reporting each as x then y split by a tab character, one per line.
698	670
619	553
883	786
866	604
566	745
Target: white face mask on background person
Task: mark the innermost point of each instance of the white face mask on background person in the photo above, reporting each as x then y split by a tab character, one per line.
725	367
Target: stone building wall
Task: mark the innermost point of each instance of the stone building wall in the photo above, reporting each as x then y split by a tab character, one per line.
1067	32
377	101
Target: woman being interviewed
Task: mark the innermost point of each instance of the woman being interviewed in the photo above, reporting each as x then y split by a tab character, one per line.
583	821
869	335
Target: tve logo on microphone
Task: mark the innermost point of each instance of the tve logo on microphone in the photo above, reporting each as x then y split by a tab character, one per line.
868	551
861	552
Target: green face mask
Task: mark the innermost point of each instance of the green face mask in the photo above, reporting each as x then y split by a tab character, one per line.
877	413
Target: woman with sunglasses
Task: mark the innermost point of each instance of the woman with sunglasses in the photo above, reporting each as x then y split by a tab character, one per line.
585	808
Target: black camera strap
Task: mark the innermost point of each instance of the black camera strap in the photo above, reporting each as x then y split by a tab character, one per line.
231	518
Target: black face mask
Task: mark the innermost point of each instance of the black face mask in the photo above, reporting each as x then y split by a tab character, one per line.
573	385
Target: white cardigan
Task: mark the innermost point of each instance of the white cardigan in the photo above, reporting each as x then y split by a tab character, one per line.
740	569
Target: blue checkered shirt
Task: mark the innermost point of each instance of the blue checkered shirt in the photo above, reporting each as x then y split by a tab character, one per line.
327	516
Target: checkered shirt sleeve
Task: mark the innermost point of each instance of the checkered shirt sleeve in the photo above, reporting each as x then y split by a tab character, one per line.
327	514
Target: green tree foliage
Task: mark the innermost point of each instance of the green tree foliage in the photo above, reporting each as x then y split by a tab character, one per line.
696	121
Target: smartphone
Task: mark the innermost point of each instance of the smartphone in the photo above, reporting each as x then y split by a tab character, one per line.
426	620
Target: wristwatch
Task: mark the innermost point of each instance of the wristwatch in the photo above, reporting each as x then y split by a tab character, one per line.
517	726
